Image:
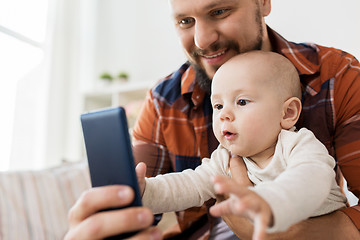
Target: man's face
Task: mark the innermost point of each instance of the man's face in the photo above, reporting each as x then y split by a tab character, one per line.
213	31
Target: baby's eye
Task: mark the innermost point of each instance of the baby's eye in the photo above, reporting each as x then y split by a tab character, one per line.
218	106
242	102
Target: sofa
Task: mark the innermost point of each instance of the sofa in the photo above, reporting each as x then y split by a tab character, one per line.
34	204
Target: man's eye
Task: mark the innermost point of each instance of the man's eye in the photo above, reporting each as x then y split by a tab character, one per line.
220	12
242	102
186	22
218	106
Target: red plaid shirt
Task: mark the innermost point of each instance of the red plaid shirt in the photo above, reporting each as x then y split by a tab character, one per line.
174	129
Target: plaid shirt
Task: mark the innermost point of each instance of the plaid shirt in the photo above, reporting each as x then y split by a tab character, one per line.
174	129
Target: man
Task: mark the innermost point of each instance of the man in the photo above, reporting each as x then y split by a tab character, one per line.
174	129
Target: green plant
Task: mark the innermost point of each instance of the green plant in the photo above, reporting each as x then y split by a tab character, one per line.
106	76
123	75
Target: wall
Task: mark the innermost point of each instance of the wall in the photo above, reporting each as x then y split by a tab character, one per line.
136	36
139	36
331	23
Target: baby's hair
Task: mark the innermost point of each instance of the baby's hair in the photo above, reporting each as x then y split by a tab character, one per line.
282	75
288	81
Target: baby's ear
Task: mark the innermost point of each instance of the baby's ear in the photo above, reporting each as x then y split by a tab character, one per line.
291	112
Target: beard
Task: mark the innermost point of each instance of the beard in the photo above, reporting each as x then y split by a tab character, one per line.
202	77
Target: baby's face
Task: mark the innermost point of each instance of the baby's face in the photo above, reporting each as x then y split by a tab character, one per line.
246	112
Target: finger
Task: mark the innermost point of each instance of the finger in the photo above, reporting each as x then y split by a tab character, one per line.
256	209
249	204
110	223
260	225
141	170
141	174
225	185
239	171
97	199
232	205
221	209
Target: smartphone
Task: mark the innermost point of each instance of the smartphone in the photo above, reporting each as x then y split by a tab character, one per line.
109	152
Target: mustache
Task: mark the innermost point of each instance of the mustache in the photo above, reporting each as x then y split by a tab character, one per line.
215	47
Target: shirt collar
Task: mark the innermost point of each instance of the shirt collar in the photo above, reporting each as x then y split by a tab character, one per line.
303	56
190	86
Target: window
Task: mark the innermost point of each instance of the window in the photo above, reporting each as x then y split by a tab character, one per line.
23	26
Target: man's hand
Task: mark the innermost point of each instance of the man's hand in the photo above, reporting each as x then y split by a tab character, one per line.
239	171
242	202
141	174
86	222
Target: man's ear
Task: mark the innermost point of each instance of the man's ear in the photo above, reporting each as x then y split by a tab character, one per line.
265	7
291	112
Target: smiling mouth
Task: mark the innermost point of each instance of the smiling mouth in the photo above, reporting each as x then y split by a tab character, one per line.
215	55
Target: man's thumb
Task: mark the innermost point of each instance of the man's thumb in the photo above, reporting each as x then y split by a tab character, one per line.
239	171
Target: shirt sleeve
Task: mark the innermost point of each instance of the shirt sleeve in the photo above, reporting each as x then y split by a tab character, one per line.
189	188
347	135
148	143
304	185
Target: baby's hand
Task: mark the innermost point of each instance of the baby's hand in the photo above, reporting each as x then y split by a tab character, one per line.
242	202
141	174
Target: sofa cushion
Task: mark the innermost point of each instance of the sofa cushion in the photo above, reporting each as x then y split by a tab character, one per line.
35	204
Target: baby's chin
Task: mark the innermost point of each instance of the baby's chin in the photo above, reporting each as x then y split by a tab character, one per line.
233	151
237	151
233	148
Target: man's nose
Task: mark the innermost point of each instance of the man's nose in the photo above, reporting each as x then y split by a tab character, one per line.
205	35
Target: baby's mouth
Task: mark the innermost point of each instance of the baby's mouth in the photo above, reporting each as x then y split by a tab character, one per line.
228	135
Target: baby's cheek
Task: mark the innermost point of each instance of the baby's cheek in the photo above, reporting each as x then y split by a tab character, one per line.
216	126
251	130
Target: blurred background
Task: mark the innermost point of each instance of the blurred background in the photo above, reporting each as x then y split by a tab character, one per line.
60	58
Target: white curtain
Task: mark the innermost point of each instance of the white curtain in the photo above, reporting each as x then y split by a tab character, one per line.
48	101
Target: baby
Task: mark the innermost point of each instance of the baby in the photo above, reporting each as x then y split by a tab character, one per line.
256	103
